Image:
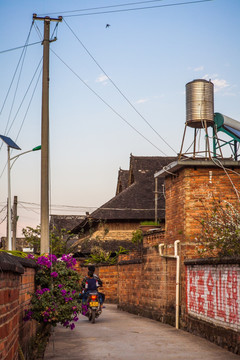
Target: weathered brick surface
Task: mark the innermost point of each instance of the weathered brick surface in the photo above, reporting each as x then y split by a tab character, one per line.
9	315
148	288
14	332
212	307
189	196
213	294
27	330
190	193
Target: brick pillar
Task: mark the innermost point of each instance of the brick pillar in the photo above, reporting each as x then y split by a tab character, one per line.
191	191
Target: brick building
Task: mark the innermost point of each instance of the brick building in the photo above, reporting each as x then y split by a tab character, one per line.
133	203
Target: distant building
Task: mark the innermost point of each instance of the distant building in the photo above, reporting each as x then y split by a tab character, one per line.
21	244
134	203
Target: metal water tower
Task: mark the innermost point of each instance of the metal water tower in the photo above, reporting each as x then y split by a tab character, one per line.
199	114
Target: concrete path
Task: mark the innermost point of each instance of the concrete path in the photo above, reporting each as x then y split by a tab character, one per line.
118	335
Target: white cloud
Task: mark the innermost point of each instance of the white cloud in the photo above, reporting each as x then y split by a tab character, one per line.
219	84
141	101
102	79
200	68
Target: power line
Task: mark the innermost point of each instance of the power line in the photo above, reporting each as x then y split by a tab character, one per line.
139	8
24	118
118	89
19	61
28	88
63	206
103	7
29	104
19	47
16	89
57	207
108	105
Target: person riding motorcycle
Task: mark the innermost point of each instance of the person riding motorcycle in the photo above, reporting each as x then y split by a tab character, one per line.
91	269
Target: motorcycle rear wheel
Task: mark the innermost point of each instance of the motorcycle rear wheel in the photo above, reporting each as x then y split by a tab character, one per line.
93	316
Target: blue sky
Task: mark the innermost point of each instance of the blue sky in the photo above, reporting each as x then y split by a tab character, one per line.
149	54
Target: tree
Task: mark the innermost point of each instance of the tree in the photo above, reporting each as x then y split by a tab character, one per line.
58	244
220	235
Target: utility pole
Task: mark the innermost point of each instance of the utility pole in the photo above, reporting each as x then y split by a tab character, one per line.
14	223
44	248
7	243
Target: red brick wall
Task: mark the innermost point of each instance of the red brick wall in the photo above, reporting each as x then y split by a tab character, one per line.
148	287
190	194
145	281
9	315
27	329
13	300
109	276
213	297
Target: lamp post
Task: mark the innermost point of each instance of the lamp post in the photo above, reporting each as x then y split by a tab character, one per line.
13	246
12	145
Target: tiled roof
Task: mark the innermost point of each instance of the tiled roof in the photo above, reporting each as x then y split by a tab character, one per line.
67	222
122	183
136	201
84	246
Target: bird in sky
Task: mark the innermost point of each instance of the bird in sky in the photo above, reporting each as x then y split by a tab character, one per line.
108	25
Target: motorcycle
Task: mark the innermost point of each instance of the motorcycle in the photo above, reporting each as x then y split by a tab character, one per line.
91	307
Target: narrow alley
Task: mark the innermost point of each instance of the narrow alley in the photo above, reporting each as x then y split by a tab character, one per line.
118	335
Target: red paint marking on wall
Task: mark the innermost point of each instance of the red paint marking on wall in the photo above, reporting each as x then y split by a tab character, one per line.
213	294
221	298
210	296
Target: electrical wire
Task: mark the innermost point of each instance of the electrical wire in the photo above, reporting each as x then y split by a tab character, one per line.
16	70
2	221
27	209
105	102
29	104
55	30
219	164
28	88
59	207
38	31
102	7
15	92
4	208
24	118
20	47
140	8
116	87
67	206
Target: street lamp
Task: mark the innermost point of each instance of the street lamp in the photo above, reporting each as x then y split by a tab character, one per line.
13	243
11	144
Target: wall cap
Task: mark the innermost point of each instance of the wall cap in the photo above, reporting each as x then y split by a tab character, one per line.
179	164
15	264
212	261
128	262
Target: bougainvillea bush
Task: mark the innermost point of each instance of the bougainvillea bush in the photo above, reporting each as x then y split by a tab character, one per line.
56	298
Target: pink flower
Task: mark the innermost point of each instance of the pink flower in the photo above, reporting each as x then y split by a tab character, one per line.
54	274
